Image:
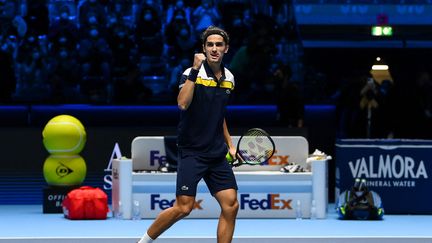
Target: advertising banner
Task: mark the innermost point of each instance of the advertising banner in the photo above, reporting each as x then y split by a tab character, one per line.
251	205
149	153
398	170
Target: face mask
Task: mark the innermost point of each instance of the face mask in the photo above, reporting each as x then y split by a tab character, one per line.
113	20
94	33
92	20
4	47
64	16
237	22
148	17
280	19
63	54
179	18
183	32
179	4
121	34
36	55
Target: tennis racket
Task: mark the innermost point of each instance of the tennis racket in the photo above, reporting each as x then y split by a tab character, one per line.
254	147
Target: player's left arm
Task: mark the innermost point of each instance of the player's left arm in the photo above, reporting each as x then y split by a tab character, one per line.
228	140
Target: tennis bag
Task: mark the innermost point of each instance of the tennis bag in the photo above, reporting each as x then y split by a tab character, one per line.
86	203
359	203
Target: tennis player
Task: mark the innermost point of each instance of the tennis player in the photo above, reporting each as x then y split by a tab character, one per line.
203	139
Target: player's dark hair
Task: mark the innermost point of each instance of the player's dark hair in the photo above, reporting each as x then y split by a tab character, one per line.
213	30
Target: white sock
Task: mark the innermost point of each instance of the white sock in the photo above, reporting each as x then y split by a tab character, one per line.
145	239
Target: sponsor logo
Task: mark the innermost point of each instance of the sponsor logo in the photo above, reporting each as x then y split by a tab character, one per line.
271	202
116	153
156	158
56	197
386	166
278	159
62	170
184	188
156	202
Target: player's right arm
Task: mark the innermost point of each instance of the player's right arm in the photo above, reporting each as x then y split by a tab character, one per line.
184	98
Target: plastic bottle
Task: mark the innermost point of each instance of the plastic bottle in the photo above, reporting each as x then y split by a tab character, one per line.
313	210
119	213
136	211
299	215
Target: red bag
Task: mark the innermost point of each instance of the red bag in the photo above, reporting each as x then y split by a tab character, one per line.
86	203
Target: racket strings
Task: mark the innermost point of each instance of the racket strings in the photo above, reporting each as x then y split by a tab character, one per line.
256	147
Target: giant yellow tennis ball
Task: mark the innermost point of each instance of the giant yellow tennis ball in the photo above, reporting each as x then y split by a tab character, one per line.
64	170
64	135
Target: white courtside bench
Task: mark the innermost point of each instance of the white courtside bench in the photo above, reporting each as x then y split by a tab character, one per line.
264	191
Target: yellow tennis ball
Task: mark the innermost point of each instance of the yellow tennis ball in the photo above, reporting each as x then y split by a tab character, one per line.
64	135
64	170
229	157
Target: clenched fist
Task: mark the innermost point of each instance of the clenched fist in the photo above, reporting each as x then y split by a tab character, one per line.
199	58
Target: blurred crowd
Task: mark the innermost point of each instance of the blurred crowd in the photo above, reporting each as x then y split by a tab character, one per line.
133	51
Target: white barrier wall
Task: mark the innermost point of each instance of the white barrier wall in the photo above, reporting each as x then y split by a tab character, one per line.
262	194
149	152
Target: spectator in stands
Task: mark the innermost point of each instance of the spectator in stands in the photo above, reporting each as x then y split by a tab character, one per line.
173	10
348	100
131	89
180	38
95	58
10	21
160	6
364	106
7	77
9	44
122	46
232	8
289	99
92	14
411	100
63	30
148	32
37	17
176	73
20	25
119	11
240	25
424	89
204	15
65	75
32	69
382	124
252	62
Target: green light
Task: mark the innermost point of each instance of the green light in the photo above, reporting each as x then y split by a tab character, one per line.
382	31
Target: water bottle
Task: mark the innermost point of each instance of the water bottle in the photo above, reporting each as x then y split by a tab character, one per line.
119	214
313	210
136	212
299	215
